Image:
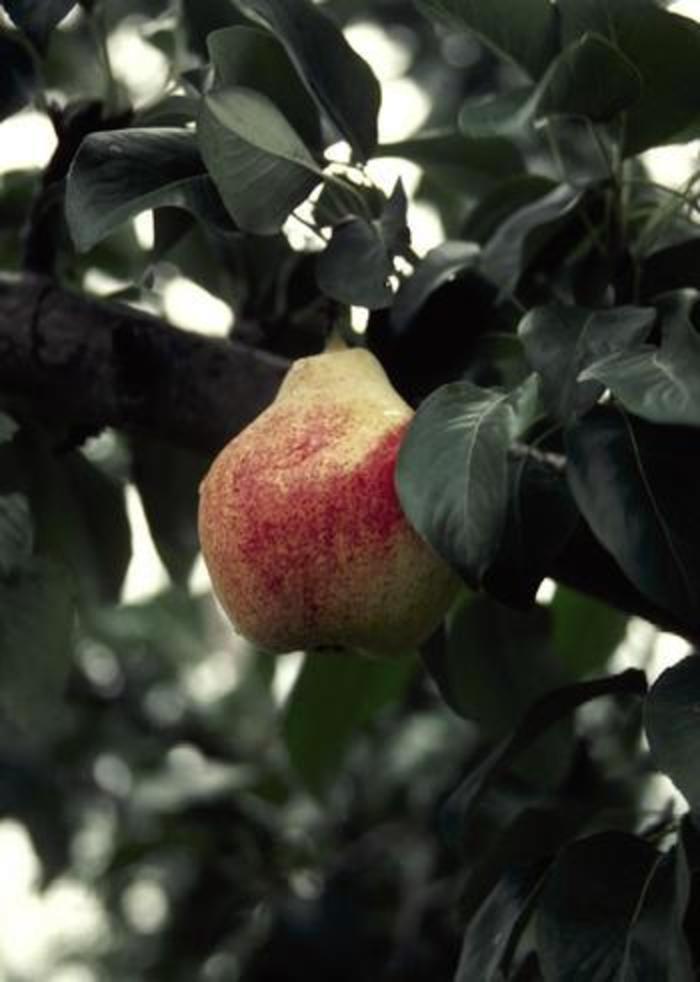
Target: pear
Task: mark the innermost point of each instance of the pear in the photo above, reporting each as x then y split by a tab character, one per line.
300	524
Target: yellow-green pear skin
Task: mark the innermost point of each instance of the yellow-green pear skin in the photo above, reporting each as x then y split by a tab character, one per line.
300	524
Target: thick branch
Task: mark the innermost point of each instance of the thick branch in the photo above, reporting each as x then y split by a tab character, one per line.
96	363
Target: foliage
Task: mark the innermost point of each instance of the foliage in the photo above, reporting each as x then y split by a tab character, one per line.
480	814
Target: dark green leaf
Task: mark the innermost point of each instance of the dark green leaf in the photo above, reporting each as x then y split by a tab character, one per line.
168	480
548	710
660	384
671	723
664	48
172	110
492	935
590	78
505	255
585	631
333	697
505	115
18	75
201	17
590	900
8	428
393	222
473	166
687	870
355	267
254	59
494	664
118	174
259	164
16	533
505	199
36	626
341	82
637	486
438	267
525	32
541	517
452	470
560	341
341	199
37	18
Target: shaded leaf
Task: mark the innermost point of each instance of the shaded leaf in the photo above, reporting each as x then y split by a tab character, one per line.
541	516
494	664
588	904
505	199
452	470
342	83
438	267
254	59
492	935
355	266
505	256
472	165
259	164
37	18
560	341
168	480
590	78
664	48
687	877
36	625
526	32
16	533
8	428
659	384
637	486
18	75
544	713
118	174
333	697
672	728
505	115
586	631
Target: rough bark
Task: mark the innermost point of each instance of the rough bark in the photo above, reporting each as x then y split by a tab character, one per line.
94	363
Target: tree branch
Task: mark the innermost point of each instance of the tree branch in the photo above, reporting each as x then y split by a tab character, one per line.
95	363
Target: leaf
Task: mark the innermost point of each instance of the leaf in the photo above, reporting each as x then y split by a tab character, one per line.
333	697
168	480
687	876
525	33
660	384
505	256
494	664
586	631
544	713
560	341
664	48
439	266
504	115
473	166
36	624
588	904
541	517
506	198
118	174
37	18
637	486
343	85
79	515
18	75
8	428
590	78
16	533
671	724
259	164
254	59
452	470
355	266
492	935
